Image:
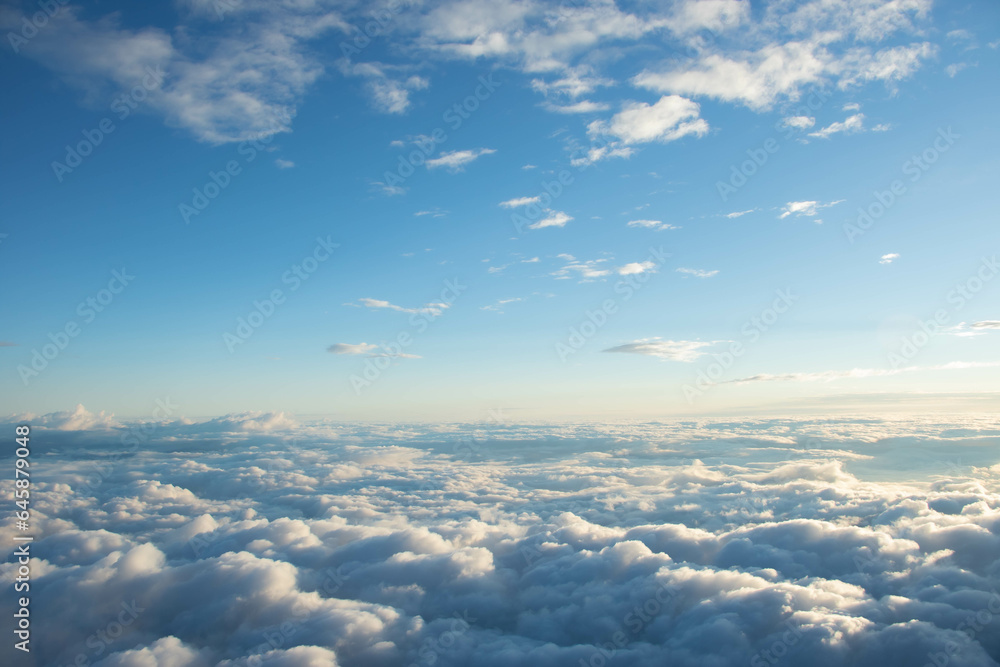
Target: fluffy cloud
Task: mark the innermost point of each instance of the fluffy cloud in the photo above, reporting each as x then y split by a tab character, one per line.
888	258
688	543
808	209
699	273
652	224
435	308
551	219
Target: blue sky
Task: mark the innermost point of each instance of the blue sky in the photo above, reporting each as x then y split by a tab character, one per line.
643	109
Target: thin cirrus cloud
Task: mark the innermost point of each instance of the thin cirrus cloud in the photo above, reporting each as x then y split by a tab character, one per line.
857	373
673	350
369	350
699	273
458	160
593	269
551	219
520	201
657	225
379	304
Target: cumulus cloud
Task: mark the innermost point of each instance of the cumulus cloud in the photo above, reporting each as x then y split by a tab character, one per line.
852	124
520	201
669	119
688	543
888	258
458	160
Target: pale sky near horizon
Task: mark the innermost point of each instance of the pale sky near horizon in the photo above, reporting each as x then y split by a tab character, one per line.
576	211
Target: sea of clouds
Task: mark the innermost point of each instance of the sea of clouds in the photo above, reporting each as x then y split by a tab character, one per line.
258	540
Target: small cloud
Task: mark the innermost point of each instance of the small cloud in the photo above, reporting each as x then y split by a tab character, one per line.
437	213
367	349
633	268
554	219
457	160
986	324
378	304
851	125
397	143
799	122
736	214
520	201
953	69
698	273
805	208
583	106
652	224
498	306
533	260
888	258
529	166
388	190
674	350
853	106
284	164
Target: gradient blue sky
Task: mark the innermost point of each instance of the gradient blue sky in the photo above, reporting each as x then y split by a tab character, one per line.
674	94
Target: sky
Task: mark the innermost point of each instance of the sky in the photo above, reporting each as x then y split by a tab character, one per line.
433	211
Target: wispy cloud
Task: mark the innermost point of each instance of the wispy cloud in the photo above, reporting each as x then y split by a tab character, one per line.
808	209
888	258
737	214
457	160
828	376
552	219
674	350
378	304
698	273
367	349
520	201
652	224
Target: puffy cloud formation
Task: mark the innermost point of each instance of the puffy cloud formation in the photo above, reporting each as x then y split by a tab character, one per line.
255	540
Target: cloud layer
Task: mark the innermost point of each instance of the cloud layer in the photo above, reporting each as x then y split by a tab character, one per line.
826	542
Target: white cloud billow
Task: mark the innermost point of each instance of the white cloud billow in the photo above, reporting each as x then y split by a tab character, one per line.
869	542
457	160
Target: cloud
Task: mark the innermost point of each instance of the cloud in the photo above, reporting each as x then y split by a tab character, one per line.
986	324
284	164
975	329
873	539
600	268
953	69
799	122
368	349
388	86
498	306
828	376
552	219
670	119
520	201
583	106
674	350
378	304
852	124
457	160
805	208
737	214
888	258
652	224
698	273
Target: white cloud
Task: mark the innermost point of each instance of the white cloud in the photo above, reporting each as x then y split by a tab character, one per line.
888	258
378	304
675	350
583	106
388	86
552	219
671	118
633	268
699	273
799	122
351	348
498	306
284	164
457	160
652	224
852	124
953	69
805	208
520	201
856	373
737	214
